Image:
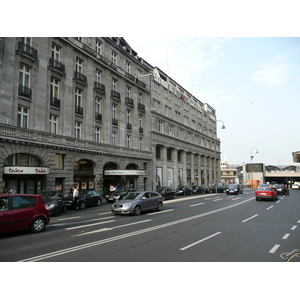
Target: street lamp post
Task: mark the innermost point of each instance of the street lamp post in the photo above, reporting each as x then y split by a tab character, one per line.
217	179
251	157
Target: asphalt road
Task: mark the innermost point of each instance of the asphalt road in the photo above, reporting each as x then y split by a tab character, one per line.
198	228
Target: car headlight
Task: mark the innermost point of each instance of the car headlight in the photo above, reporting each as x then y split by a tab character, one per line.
235	190
51	206
127	205
118	197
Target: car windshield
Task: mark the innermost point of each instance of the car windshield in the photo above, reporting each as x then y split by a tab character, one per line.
120	191
48	196
265	188
132	196
160	189
233	186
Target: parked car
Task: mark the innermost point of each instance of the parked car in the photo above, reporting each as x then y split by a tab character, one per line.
167	192
23	211
118	195
266	192
214	189
54	200
295	187
137	202
184	190
234	189
281	189
86	198
197	189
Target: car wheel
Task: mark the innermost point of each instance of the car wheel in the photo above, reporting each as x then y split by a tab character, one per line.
99	202
163	198
64	208
174	196
137	210
82	205
38	225
257	199
159	206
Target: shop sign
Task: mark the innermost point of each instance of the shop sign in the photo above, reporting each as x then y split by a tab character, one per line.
125	172
26	170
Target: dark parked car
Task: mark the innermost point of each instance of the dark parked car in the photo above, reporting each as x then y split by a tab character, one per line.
281	189
118	195
234	189
267	192
167	192
184	190
54	200
85	198
214	189
197	189
136	202
23	211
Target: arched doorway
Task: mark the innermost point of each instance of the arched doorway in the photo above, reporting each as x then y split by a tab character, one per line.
24	172
110	179
84	177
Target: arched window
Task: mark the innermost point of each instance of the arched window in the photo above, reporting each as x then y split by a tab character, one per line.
22	159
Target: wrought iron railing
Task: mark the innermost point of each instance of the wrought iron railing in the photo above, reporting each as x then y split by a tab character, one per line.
24	91
27	49
57	65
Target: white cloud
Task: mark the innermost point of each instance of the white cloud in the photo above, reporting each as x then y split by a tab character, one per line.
273	75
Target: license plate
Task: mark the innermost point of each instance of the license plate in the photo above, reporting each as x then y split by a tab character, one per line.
110	198
263	194
118	209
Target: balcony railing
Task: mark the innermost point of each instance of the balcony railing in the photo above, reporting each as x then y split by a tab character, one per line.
115	122
79	110
141	83
141	107
55	102
99	87
27	49
24	91
141	129
56	65
129	101
80	77
115	95
98	117
129	76
128	126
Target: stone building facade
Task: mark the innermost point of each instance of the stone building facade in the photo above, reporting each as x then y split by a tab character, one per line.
91	112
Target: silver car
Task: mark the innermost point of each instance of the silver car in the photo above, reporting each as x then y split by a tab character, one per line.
136	202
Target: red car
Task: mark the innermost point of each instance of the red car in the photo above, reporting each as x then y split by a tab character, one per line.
266	192
23	211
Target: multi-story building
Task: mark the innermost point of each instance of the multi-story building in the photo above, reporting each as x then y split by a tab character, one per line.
90	112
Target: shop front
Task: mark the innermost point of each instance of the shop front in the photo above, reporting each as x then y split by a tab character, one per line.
25	180
24	173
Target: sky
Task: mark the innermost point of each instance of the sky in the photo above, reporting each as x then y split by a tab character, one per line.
252	82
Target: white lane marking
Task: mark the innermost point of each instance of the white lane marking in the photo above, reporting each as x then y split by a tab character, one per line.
197	204
294	227
298	221
209	237
159	212
79	222
105	213
217	199
269	207
77	217
130	234
285	236
274	248
88	225
249	218
111	228
189	198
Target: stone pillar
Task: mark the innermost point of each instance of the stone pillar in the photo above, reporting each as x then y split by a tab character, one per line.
192	169
184	181
164	166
